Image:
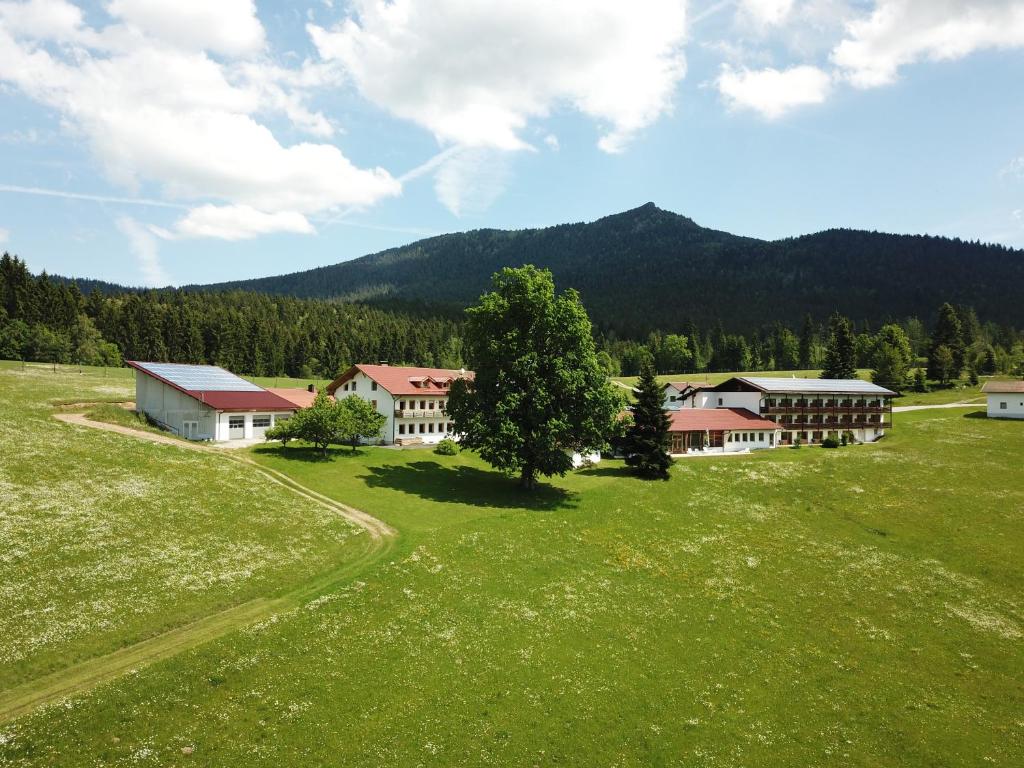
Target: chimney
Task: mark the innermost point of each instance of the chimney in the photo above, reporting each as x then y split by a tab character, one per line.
311	388
382	362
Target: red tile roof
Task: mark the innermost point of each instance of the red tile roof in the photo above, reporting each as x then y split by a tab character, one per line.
297	396
716	419
1003	387
684	385
404	380
242	401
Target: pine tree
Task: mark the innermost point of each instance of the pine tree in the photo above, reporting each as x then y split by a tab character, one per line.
949	335
646	442
840	355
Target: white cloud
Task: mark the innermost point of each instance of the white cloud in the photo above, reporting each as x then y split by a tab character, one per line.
552	141
228	27
469	181
773	92
5	235
1014	169
475	72
236	222
154	107
771	12
144	247
901	32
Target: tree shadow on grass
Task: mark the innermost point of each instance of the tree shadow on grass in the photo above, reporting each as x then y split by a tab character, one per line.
307	453
466	485
610	471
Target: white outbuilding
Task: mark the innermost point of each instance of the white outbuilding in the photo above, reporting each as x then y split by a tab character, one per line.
205	402
1005	399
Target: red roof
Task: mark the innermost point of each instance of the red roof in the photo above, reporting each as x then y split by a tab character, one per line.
404	380
716	419
297	396
682	386
242	401
1003	387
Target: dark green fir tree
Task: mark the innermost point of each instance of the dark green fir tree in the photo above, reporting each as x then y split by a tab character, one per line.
647	440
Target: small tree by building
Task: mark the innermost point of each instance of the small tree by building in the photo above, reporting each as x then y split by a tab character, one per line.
840	355
647	440
358	420
318	424
283	431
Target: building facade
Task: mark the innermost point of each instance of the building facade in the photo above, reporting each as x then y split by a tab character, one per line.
1005	399
720	430
413	400
205	402
806	409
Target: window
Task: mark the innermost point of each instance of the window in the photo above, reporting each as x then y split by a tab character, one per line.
236	422
345	387
373	385
671	398
761	436
401	405
374	404
430	427
401	429
430	405
423	405
260	422
353	386
1002	406
423	428
719	401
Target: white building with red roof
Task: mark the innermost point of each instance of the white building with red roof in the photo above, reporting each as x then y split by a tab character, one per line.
414	400
206	402
1005	399
720	430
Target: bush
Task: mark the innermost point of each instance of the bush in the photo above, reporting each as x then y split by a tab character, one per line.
830	442
796	442
447	448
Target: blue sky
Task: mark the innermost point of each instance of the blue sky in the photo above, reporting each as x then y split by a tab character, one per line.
149	142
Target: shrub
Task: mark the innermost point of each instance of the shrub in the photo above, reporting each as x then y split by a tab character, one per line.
447	448
830	442
796	442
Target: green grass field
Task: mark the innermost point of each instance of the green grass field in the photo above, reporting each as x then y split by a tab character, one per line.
802	607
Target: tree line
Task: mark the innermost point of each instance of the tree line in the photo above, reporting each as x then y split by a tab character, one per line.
50	320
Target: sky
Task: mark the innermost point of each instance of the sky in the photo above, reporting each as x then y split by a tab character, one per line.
160	142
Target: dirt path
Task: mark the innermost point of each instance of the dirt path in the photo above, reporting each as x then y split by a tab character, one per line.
81	677
905	408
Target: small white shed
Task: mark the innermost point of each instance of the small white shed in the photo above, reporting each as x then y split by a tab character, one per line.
1005	399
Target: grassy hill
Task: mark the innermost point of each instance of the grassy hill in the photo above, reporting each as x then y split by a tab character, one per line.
650	268
856	607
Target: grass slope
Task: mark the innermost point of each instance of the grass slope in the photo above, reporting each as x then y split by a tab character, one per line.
797	607
106	540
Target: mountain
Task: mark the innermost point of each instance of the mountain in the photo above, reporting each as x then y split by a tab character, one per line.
648	268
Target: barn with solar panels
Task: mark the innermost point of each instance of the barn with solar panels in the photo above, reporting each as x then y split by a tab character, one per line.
205	402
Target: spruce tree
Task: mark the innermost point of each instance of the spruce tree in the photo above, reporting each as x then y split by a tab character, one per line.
646	442
948	334
840	356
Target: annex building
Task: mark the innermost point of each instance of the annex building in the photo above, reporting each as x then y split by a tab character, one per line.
206	402
1005	399
749	413
414	400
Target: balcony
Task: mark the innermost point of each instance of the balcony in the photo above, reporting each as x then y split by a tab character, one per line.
409	413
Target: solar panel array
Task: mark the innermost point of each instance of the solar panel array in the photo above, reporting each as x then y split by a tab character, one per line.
851	386
209	378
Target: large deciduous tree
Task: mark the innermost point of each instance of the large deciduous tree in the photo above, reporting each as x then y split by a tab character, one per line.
539	393
646	440
358	419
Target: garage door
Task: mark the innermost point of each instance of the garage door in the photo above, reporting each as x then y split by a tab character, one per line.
260	424
236	427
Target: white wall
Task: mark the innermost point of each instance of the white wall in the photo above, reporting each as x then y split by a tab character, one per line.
1014	405
172	407
751	440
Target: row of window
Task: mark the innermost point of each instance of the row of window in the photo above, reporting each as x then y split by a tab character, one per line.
425	405
747	437
258	422
772	403
424	428
350	386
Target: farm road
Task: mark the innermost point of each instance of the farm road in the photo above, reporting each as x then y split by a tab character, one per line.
85	675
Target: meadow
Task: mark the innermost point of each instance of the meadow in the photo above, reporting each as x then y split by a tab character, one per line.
858	606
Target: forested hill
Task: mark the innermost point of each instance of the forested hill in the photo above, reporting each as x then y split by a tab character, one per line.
649	268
